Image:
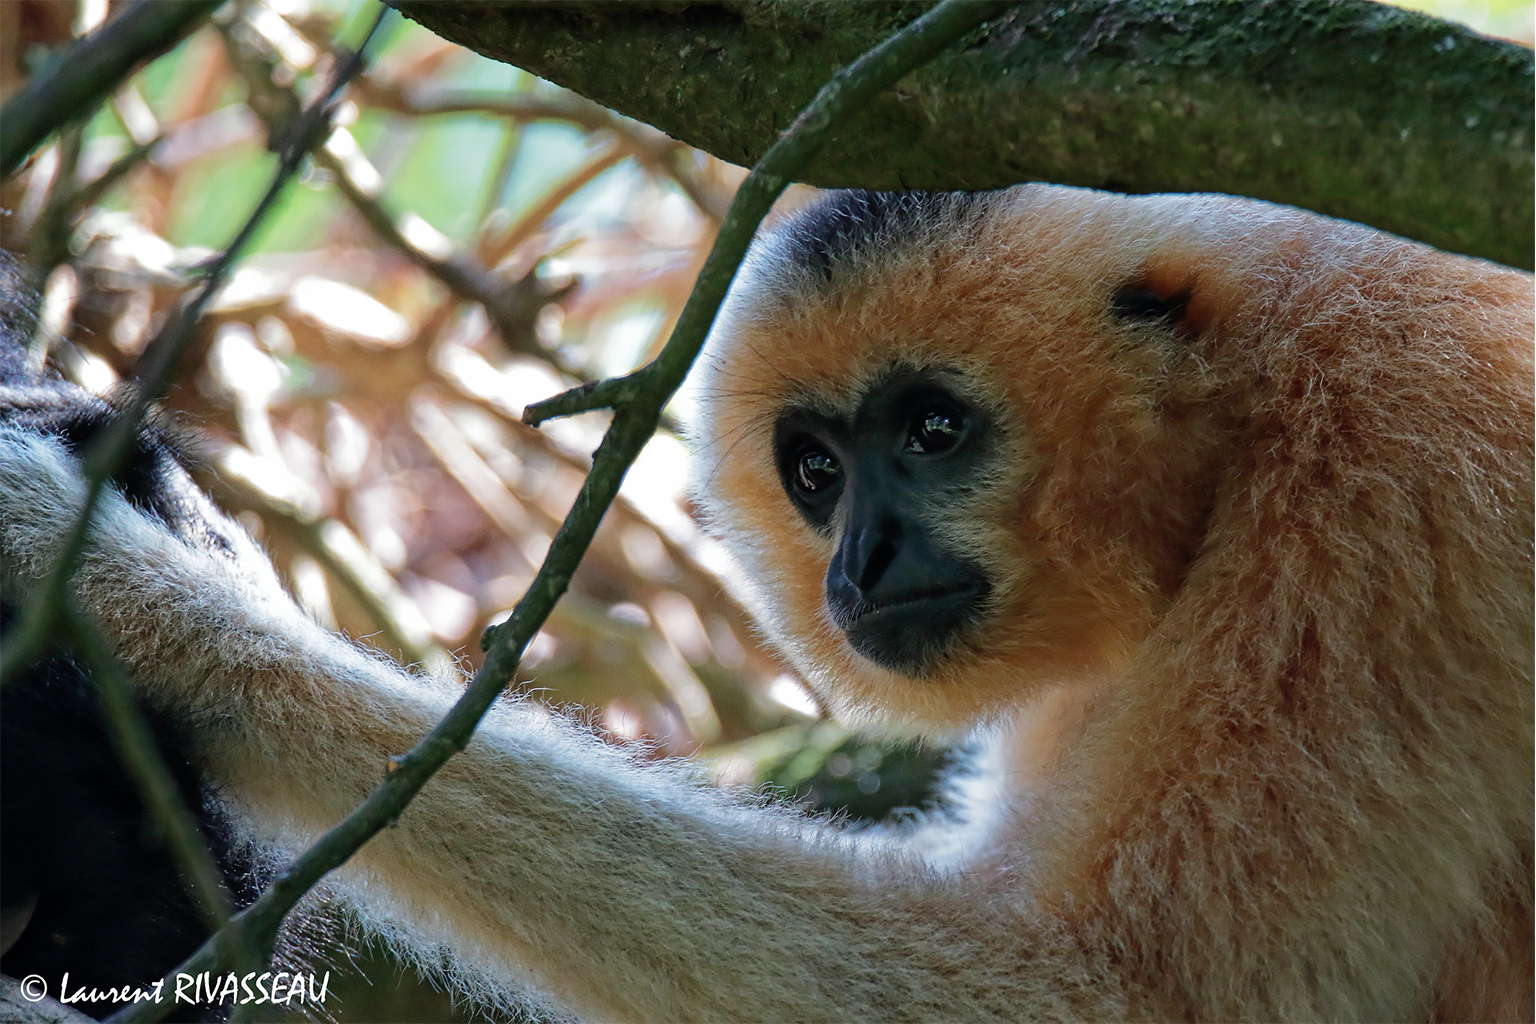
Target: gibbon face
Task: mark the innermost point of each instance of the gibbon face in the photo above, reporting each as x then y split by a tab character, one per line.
967	446
880	478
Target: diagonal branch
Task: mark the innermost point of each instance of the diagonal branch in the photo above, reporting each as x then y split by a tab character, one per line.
634	422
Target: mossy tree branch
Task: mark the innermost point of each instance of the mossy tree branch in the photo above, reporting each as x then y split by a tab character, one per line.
1354	109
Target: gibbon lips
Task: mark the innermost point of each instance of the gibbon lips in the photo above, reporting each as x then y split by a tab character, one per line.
909	634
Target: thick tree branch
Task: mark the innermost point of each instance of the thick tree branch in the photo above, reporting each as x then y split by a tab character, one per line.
1355	109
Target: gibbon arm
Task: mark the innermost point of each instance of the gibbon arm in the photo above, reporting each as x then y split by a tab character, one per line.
537	854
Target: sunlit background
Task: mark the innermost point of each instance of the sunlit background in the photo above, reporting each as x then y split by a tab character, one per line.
1506	19
470	239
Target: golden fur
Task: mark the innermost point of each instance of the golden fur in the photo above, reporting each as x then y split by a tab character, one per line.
1261	645
1281	555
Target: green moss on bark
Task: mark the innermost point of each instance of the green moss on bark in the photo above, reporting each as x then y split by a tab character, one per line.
1354	109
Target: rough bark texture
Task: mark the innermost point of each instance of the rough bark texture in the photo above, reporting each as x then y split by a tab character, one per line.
1354	109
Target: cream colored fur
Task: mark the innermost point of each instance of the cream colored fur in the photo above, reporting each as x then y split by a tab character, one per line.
1281	755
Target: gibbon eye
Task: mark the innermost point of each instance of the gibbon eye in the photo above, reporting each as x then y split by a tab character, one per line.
816	470
935	430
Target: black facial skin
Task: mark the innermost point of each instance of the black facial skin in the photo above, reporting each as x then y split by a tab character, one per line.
905	460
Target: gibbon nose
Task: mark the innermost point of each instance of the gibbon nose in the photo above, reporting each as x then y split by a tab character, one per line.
886	558
898	595
868	551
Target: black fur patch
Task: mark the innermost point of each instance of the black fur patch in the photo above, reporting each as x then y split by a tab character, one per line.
84	873
151	475
848	224
108	903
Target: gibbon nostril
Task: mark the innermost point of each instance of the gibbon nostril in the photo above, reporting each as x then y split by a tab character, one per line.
877	563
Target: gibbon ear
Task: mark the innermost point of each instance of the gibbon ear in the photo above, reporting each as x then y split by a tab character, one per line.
1139	303
1164	300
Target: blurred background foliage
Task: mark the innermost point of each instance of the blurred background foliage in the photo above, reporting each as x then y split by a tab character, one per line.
469	239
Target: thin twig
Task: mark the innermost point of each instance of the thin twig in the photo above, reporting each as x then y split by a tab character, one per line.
612	393
491	251
497	249
49	245
703	586
461	273
633	423
510	305
55	227
507	152
90	69
91	192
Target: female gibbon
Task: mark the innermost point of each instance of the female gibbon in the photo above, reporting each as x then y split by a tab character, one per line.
1218	514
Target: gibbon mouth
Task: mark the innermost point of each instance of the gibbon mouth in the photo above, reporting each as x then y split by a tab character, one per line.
936	596
909	633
